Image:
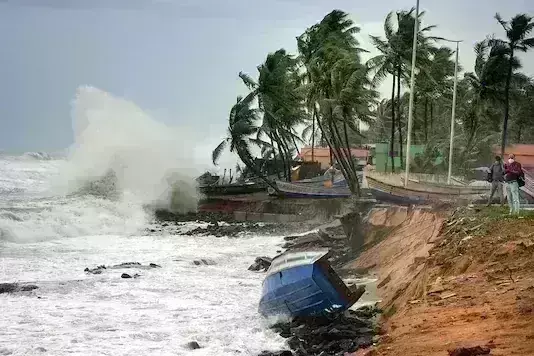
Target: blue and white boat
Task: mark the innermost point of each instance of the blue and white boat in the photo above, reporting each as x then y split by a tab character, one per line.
302	283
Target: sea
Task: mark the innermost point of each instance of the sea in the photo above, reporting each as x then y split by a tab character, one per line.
55	221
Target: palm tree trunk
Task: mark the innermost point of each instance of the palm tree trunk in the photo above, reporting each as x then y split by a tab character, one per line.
431	116
289	159
313	134
392	138
399	114
275	160
506	104
281	153
351	161
345	161
426	120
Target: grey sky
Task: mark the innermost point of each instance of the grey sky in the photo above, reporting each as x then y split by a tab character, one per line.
177	59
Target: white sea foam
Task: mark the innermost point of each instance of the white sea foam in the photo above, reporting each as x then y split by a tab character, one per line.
50	232
157	313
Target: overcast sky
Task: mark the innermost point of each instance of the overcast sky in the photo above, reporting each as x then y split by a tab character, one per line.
177	59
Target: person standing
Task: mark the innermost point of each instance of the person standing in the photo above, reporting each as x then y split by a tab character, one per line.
513	172
496	177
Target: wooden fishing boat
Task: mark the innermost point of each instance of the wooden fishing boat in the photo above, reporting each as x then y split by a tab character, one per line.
232	189
292	190
422	193
302	283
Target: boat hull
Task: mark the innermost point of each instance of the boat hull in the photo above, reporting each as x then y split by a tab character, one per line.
231	189
292	190
305	290
387	192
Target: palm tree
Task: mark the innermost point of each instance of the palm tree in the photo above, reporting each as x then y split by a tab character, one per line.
395	59
338	90
517	31
241	127
280	101
434	82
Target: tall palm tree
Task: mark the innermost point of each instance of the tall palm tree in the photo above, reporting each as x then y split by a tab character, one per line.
395	59
434	82
242	126
280	101
335	85
517	30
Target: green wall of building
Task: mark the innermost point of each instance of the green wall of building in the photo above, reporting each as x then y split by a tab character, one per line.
381	156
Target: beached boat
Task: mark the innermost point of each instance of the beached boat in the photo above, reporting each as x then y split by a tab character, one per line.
302	283
423	193
232	189
293	190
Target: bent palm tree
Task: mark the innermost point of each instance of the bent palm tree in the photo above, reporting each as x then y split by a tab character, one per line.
241	126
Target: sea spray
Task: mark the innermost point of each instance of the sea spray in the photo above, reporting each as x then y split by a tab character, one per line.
148	159
121	162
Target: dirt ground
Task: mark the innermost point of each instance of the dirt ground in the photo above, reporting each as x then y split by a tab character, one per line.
462	281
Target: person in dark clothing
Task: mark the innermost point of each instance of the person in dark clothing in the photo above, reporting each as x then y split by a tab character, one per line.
512	173
496	176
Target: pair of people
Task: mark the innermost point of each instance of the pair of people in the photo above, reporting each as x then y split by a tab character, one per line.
509	174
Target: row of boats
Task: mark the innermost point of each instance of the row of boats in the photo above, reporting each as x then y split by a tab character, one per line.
421	188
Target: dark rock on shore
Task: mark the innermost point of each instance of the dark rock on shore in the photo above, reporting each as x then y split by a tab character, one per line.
125	265
15	287
278	353
193	345
331	238
205	262
330	334
208	216
232	230
261	264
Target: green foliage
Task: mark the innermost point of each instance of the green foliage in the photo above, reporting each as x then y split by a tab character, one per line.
329	91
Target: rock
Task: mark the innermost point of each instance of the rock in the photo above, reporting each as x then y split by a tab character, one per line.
125	275
41	349
470	351
261	264
204	262
8	287
15	287
323	235
193	345
28	288
331	334
278	353
153	265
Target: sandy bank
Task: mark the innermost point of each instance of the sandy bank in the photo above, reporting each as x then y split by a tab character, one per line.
451	281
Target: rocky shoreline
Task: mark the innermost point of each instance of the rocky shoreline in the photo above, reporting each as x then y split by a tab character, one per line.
330	334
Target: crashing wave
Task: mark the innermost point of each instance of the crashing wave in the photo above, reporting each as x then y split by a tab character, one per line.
119	148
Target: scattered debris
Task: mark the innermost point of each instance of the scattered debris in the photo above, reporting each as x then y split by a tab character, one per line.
470	351
447	295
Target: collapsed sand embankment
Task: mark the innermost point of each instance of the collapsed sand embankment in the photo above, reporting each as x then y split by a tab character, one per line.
447	282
